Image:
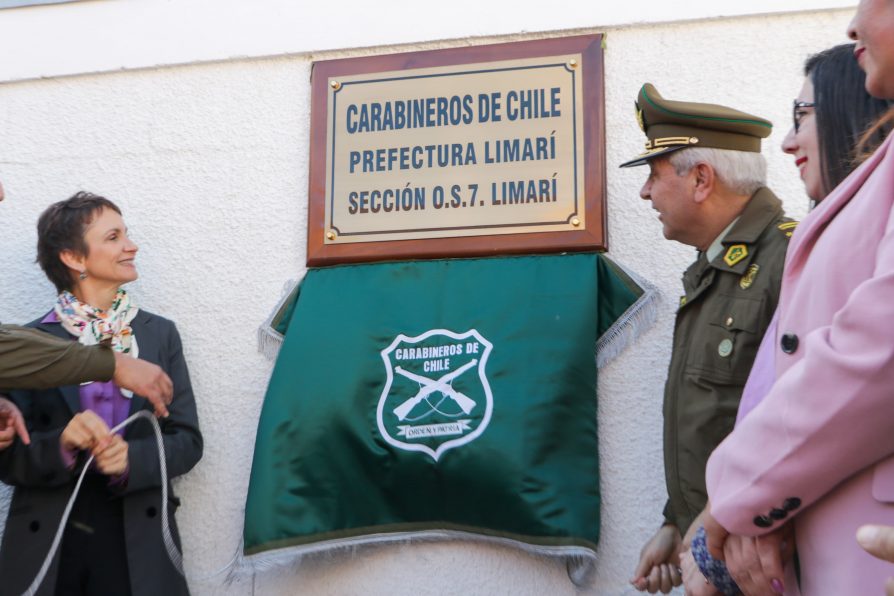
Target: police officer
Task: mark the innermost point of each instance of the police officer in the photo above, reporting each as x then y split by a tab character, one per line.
707	182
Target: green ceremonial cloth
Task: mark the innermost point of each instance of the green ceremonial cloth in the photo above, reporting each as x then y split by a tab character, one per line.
437	398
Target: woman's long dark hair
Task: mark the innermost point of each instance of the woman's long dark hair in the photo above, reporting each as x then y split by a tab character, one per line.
844	112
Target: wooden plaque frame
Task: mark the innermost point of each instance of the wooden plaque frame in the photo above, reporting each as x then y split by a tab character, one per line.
593	236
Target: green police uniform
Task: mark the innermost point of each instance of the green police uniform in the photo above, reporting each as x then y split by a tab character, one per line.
727	306
30	359
728	303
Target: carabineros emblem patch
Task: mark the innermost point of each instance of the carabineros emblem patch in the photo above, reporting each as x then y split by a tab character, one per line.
436	394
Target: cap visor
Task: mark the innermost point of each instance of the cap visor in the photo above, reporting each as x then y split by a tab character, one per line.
643	158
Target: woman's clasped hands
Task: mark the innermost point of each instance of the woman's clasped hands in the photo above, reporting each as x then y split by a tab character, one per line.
86	431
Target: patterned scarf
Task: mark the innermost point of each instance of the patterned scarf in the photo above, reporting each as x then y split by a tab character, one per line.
93	325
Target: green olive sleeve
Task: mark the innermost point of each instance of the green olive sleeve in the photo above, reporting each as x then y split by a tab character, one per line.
31	359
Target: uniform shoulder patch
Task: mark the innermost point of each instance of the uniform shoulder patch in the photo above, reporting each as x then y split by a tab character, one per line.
788	227
735	253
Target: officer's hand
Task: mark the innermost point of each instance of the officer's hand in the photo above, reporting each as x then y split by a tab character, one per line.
146	379
878	541
657	569
11	424
755	564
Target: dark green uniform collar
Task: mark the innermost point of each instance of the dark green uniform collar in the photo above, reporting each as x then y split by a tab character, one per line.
761	209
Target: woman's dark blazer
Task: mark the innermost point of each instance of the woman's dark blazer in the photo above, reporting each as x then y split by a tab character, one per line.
43	484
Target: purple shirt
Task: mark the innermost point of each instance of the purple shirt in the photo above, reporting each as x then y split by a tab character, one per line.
763	372
105	400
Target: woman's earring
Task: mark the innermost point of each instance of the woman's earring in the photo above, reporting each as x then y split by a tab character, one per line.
82	276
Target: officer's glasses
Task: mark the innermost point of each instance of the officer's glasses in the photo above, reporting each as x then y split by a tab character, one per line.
799	110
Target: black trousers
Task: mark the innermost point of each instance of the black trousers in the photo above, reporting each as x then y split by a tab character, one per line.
93	554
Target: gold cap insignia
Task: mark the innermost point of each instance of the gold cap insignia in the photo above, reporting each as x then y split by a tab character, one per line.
639	118
735	253
746	280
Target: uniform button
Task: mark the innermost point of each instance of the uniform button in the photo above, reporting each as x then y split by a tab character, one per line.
725	348
729	321
789	343
777	513
151	512
34	526
762	521
791	503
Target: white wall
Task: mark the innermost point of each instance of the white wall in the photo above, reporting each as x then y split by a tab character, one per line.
209	163
101	35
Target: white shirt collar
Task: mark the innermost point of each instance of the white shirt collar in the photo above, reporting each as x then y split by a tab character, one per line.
717	246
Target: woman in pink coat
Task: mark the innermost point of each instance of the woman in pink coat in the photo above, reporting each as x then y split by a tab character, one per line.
819	449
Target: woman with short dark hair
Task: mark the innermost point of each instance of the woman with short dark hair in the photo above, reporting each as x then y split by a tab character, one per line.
113	541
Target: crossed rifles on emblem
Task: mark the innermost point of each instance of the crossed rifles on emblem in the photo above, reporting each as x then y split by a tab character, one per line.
429	386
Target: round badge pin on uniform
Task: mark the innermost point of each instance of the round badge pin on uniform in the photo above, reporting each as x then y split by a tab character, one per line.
725	348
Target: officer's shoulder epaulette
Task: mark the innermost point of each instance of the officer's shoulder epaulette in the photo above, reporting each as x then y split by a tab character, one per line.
787	227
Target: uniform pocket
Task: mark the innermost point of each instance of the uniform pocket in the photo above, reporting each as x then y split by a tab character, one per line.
724	347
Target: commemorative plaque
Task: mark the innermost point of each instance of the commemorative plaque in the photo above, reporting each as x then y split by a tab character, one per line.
485	150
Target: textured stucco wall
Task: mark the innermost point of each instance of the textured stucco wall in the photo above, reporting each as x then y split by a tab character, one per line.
99	35
209	163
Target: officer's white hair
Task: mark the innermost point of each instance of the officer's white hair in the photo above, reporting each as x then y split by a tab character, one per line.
743	172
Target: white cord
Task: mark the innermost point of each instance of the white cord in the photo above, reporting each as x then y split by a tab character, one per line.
173	553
